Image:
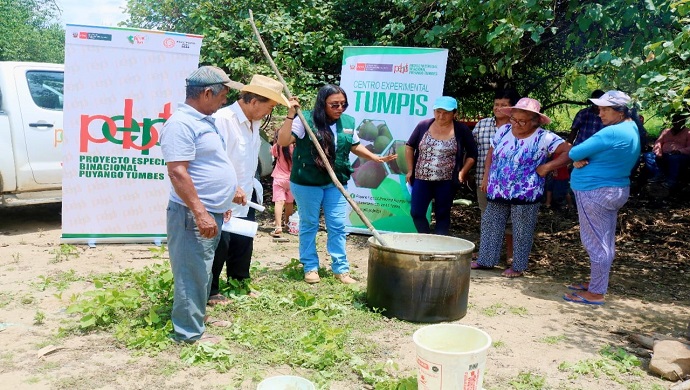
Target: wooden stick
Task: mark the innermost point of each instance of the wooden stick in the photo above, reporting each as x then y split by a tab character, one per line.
313	138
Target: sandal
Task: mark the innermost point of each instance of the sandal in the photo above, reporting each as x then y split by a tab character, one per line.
476	265
277	232
511	273
218	299
218	323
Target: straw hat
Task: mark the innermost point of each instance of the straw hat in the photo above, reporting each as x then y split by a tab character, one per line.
266	87
531	105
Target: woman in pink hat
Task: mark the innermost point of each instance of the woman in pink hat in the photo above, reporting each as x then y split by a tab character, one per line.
514	172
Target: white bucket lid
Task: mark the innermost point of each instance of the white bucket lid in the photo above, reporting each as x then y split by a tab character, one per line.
286	382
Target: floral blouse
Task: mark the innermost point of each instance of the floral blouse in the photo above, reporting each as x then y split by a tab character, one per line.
513	174
436	158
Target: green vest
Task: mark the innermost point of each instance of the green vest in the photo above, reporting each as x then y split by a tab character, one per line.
305	171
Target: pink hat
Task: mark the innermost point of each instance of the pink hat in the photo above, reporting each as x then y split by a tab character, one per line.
531	105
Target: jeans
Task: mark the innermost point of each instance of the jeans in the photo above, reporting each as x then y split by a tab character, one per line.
191	258
423	191
310	200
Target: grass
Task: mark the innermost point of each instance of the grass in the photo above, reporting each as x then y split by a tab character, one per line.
324	332
527	381
64	253
61	281
613	363
498	309
551	340
5	298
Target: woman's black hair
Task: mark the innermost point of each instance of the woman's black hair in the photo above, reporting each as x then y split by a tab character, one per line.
507	93
678	122
632	114
323	123
283	151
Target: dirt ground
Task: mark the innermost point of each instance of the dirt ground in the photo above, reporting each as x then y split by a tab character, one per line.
649	293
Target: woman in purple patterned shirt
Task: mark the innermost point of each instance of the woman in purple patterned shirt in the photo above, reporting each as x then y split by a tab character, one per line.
514	172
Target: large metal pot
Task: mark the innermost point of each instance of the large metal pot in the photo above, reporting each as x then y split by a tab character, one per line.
419	277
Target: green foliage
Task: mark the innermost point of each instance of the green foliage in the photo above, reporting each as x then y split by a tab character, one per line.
528	381
39	318
134	305
654	65
105	306
30	32
216	356
64	253
552	340
5	298
60	281
407	383
549	51
615	363
305	37
500	309
289	324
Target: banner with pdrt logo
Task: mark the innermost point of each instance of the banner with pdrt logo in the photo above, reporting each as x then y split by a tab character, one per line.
121	85
389	91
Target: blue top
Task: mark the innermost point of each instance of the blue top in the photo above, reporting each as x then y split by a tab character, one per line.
189	135
513	174
612	153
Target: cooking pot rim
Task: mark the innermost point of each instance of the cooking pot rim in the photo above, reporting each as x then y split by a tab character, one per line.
373	243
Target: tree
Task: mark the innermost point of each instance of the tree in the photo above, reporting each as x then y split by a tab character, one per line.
30	32
306	37
548	49
542	47
657	74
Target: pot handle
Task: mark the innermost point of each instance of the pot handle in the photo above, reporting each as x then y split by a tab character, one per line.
437	257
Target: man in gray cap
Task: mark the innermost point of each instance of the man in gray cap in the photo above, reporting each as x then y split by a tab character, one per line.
203	183
240	122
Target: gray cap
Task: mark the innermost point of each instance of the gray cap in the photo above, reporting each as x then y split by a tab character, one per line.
210	75
612	98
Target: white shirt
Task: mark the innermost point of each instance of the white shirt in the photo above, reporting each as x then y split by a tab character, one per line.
300	132
243	143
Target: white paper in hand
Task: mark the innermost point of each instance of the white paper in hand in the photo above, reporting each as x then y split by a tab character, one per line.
241	227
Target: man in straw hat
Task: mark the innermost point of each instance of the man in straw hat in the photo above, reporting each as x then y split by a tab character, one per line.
203	182
241	122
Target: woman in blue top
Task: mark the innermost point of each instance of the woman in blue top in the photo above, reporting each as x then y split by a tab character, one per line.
601	182
514	172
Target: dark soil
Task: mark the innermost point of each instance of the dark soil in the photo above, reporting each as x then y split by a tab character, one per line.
652	252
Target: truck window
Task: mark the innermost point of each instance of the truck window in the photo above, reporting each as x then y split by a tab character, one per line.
46	88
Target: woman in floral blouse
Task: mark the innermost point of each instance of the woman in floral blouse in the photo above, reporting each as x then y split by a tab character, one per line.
516	165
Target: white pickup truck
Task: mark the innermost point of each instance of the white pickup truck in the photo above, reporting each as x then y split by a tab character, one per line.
31	98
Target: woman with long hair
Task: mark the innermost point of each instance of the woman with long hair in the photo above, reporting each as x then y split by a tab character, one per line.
311	185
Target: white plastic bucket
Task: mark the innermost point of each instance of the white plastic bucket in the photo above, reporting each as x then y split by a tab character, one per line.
451	357
286	382
293	224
